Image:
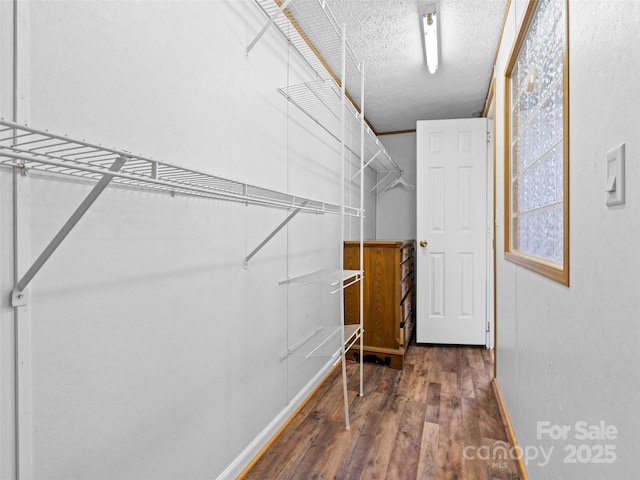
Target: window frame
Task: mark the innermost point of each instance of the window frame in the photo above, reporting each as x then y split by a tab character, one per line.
555	272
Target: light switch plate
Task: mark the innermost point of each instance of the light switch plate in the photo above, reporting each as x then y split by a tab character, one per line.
615	176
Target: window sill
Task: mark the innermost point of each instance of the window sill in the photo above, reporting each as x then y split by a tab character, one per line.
553	272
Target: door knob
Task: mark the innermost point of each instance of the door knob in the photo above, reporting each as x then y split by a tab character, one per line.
423	243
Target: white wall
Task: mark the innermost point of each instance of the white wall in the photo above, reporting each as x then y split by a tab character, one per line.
571	354
397	206
147	351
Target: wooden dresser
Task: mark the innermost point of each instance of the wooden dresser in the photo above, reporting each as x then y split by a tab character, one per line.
389	298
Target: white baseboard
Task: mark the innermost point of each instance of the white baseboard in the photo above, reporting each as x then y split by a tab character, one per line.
247	455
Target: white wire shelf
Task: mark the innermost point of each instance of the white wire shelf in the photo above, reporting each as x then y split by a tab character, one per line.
351	335
30	149
317	345
320	26
327	277
310	26
322	102
315	33
292	36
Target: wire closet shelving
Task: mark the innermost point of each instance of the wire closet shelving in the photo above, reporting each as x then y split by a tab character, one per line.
29	149
315	34
313	30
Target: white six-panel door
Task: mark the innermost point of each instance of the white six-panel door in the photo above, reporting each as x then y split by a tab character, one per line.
451	231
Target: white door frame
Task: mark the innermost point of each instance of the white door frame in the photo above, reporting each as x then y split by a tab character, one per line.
489	113
491	224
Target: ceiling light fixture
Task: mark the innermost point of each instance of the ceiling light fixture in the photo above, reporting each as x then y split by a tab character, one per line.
430	28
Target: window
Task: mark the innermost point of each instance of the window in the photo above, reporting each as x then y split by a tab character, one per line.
537	143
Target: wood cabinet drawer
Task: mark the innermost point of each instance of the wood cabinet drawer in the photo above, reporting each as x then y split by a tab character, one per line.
405	332
406	268
406	285
406	326
407	307
407	252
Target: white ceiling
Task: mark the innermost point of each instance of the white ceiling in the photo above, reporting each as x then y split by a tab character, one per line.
386	35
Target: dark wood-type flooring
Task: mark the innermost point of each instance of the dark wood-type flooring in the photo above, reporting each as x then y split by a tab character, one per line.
436	419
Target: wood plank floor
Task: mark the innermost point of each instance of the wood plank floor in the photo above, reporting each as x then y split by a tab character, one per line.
437	419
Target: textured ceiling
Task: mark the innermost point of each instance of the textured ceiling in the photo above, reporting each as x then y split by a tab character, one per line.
386	35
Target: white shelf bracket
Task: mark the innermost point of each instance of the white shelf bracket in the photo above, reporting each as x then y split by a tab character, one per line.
19	296
357	174
266	27
298	344
357	279
272	234
381	181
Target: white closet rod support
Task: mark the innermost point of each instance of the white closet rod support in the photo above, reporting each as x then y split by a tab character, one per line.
272	234
18	296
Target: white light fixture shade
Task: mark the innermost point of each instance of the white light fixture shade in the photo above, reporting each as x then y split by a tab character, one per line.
430	25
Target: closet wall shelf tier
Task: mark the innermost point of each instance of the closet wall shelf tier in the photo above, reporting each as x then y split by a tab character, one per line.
351	335
327	277
29	149
311	27
274	17
314	345
322	102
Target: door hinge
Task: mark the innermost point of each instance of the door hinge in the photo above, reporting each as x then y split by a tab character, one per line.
488	137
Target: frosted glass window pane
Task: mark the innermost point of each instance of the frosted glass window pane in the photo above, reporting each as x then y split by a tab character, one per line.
541	233
537	119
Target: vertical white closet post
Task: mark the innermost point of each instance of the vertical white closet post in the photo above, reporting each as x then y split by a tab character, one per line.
343	151
361	261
